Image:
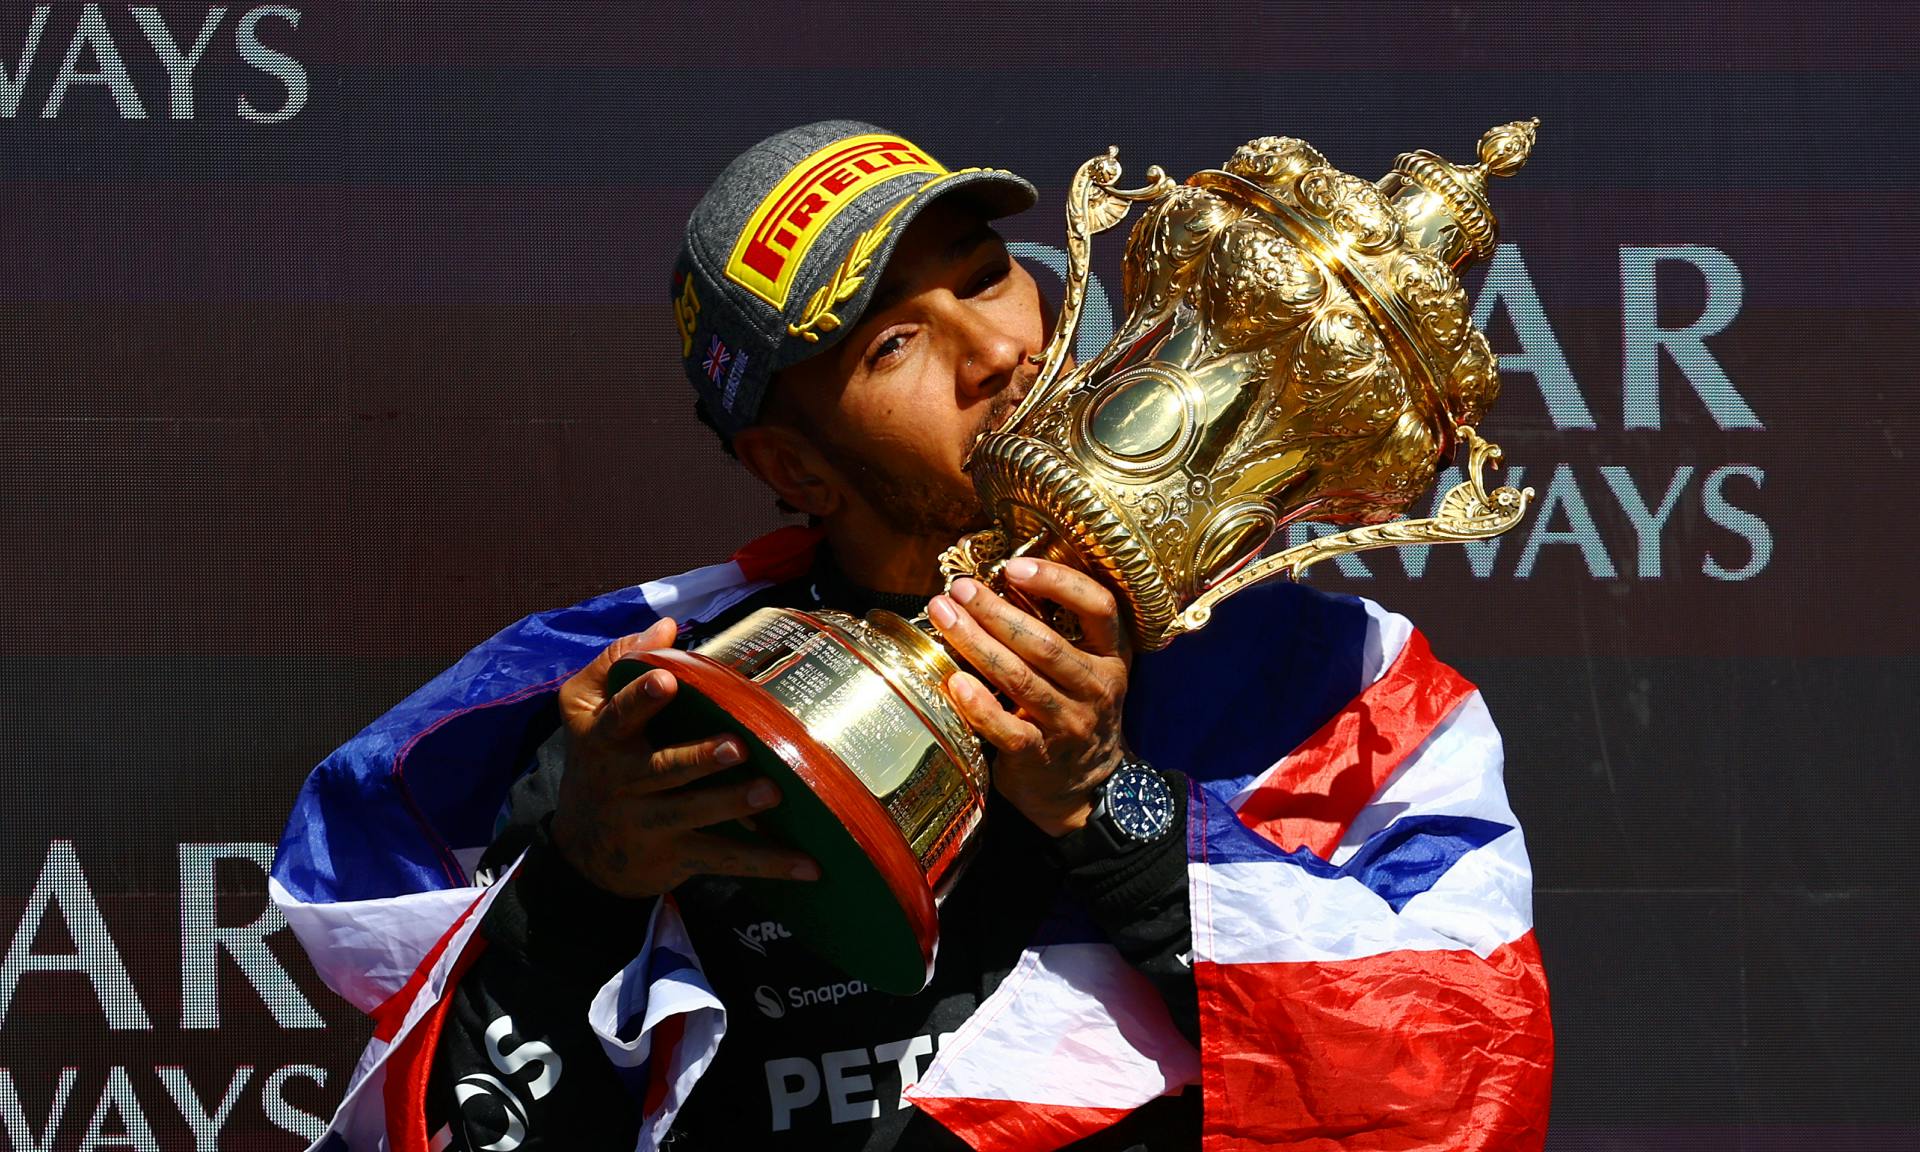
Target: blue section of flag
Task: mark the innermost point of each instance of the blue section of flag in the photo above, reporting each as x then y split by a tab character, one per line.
1276	662
662	964
1409	856
381	815
1397	863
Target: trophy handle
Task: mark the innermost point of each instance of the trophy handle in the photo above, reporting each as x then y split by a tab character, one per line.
1467	512
1093	205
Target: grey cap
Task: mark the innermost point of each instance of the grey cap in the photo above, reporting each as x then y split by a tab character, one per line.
785	249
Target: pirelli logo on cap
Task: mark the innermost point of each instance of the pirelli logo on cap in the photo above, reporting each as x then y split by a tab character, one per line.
775	241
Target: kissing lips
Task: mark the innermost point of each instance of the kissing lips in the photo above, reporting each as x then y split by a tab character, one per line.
999	410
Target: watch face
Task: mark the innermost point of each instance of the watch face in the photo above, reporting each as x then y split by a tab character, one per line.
1139	803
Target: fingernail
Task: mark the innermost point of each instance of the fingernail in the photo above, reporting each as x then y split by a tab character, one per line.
941	611
763	794
964	589
728	753
805	870
1022	568
655	684
962	684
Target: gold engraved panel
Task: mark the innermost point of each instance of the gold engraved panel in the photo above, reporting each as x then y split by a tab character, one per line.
868	713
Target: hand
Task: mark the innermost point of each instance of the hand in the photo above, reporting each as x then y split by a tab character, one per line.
1064	738
629	815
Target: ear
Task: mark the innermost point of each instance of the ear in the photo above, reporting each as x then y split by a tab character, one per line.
788	463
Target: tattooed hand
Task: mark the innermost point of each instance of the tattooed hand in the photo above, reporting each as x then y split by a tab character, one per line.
1064	737
630	815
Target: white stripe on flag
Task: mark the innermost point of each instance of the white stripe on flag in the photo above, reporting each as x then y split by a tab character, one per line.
657	998
362	1116
1456	771
702	593
1277	912
367	949
1484	901
1387	634
1074	1025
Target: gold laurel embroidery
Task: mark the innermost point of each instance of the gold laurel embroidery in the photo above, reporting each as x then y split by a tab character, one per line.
818	315
686	313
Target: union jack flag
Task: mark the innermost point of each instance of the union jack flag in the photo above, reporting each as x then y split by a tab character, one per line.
1360	895
717	360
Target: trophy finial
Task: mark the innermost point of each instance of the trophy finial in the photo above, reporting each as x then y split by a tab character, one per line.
1445	204
1504	150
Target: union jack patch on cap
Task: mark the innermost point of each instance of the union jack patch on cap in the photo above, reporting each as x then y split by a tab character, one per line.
716	362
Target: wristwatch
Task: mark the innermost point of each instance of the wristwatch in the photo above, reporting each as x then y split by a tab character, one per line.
1135	805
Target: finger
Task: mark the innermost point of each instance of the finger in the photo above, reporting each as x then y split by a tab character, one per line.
1030	638
711	855
707	806
994	660
635	705
1089	600
660	634
585	692
632	708
684	763
987	716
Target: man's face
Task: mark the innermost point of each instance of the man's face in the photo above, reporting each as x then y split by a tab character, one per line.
940	355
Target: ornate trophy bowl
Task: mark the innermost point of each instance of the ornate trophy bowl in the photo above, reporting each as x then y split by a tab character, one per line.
1296	345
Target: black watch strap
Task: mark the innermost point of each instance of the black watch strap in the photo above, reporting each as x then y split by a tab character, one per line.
1096	839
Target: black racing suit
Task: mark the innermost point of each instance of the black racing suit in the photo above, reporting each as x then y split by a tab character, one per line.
810	1060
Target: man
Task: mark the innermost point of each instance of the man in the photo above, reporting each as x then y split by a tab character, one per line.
851	324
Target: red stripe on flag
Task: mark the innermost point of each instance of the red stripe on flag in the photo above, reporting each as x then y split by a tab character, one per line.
409	1065
1314	794
1397	1051
1017	1125
660	1059
392	1011
782	554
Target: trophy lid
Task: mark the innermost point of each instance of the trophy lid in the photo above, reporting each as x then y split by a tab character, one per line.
1445	204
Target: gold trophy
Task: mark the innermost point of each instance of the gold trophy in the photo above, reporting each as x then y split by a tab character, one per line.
1296	345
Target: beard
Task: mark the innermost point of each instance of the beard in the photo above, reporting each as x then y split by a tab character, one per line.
917	502
918	505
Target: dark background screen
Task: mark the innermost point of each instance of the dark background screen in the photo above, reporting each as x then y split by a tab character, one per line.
328	355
